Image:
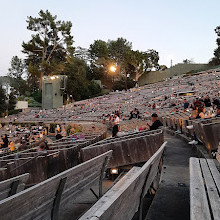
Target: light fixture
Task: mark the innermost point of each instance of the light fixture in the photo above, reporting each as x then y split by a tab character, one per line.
113	68
52	77
114	171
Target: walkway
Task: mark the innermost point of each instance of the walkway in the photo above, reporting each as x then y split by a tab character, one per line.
172	201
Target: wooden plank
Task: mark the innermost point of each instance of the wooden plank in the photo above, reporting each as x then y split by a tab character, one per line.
126	151
211	189
127	136
37	201
111	192
199	208
123	199
5	185
215	173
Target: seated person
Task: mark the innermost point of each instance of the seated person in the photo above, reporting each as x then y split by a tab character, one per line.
11	146
58	136
156	123
207	101
201	112
186	104
43	148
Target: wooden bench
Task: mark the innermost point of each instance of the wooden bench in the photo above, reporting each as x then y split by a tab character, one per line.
211	133
12	186
126	151
43	200
125	198
204	189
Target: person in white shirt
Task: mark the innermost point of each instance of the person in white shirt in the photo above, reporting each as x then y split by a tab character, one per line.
115	129
116	120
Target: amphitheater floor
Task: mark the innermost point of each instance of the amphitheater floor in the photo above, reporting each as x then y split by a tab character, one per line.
172	198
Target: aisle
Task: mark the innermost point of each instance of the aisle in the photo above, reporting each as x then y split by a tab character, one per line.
172	198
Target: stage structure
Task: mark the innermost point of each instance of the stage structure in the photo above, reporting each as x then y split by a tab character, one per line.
53	89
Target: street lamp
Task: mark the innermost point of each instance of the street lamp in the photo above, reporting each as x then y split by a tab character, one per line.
112	69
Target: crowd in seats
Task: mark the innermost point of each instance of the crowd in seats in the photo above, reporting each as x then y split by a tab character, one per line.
197	95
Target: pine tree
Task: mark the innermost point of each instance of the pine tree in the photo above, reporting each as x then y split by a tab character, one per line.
3	105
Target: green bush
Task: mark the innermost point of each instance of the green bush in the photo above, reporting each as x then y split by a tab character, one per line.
33	103
37	95
68	130
94	88
14	111
120	84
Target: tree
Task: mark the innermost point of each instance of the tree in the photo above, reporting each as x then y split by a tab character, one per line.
163	67
122	84
217	50
49	46
3	105
127	61
142	62
77	84
16	72
17	69
12	101
99	60
98	50
187	61
82	53
119	52
216	59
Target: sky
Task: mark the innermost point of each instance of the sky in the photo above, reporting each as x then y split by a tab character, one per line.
178	30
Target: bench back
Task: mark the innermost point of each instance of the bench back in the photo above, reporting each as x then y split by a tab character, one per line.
126	151
211	133
12	186
127	136
42	200
125	198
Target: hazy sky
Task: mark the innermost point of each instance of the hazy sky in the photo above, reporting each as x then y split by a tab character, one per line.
176	29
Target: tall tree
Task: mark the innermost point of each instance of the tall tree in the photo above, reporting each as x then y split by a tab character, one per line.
82	53
142	62
3	105
49	46
217	50
77	84
17	68
11	101
16	72
99	61
216	59
119	52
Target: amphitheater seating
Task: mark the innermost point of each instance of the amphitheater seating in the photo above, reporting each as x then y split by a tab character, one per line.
41	166
127	150
125	198
12	186
211	132
43	200
204	189
207	130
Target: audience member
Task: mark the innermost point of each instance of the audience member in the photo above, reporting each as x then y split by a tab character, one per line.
156	123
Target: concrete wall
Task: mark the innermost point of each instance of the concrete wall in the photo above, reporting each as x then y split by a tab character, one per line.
179	69
21	105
